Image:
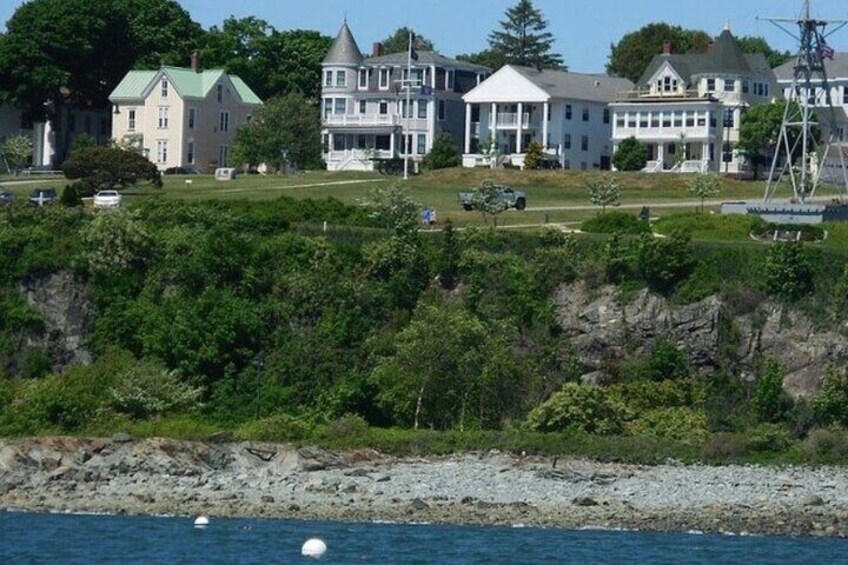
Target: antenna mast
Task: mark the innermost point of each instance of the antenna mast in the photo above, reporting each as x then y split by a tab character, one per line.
809	105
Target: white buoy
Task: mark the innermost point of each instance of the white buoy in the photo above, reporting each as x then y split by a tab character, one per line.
201	522
314	547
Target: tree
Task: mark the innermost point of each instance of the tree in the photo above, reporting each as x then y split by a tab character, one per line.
788	274
236	47
752	44
488	198
663	263
631	55
759	132
534	157
704	185
283	130
487	58
16	151
770	402
162	31
103	168
398	41
394	207
292	61
604	191
523	39
630	155
443	155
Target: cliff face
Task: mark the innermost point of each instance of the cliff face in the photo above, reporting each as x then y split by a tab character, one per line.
67	308
604	327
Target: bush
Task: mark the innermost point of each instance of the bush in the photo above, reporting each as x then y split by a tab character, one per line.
788	274
443	155
830	406
616	222
630	155
578	408
71	196
725	448
770	402
534	156
643	396
104	168
664	263
680	424
826	446
279	427
150	390
667	362
766	437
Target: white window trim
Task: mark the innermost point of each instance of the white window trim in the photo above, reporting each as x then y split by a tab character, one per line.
388	75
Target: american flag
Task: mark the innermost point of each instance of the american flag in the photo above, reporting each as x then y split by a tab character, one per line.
826	50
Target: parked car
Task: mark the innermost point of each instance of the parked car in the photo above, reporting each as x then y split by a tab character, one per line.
509	197
107	199
42	196
6	197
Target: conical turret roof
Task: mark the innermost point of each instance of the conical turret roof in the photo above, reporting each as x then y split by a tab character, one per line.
344	50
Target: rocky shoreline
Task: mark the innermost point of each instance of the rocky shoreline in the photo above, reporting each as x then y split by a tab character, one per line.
249	479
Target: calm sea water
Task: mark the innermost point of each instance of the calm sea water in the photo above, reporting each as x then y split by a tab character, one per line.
69	539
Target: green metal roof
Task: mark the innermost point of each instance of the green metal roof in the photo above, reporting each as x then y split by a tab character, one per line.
187	83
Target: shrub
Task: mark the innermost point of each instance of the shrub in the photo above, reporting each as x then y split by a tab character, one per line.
534	156
71	196
578	408
642	396
348	426
667	362
604	191
788	274
616	222
103	168
770	402
679	423
768	437
663	263
630	155
725	448
830	406
826	446
279	427
443	155
150	390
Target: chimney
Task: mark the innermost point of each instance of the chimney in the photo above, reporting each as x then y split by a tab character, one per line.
377	49
666	47
195	62
710	46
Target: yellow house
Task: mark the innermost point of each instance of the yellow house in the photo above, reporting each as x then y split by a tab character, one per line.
182	117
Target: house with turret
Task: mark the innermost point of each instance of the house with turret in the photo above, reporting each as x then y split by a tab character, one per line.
380	107
687	108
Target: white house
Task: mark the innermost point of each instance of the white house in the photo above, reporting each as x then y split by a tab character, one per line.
364	109
182	117
566	113
687	108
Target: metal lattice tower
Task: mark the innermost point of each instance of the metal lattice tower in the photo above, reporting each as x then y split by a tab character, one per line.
809	106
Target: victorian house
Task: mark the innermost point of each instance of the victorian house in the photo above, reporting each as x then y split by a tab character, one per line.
687	108
566	113
180	117
373	109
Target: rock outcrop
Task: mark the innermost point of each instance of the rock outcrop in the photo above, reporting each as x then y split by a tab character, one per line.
605	328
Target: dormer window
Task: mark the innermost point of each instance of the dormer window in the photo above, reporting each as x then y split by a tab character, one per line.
220	92
341	78
729	85
669	84
449	79
363	79
711	85
384	79
164	85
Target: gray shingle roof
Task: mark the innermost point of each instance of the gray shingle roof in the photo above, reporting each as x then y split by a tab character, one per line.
562	84
836	68
344	50
425	58
726	57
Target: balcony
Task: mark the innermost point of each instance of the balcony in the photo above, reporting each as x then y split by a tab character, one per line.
510	120
362	120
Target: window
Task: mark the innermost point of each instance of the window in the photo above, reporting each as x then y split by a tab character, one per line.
745	87
631	121
422	109
220	92
666	119
328	107
690	120
584	142
568	111
678	119
363	107
668	84
643	120
361	142
384	107
729	85
422	144
586	114
728	118
655	120
710	85
383	142
766	90
223	156
224	122
163	117
190	152
340	106
164	85
845	94
606	115
726	152
341	78
441	109
328	78
384	79
449	80
619	121
192	116
363	79
566	142
566	164
161	150
131	120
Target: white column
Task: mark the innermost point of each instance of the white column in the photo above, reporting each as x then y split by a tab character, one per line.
546	109
392	143
467	128
518	144
660	152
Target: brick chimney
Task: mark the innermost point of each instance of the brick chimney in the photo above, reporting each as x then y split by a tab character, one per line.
195	62
377	49
666	47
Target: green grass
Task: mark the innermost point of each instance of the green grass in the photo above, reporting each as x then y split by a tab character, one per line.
708	226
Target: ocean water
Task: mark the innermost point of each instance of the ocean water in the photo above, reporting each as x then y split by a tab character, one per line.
71	539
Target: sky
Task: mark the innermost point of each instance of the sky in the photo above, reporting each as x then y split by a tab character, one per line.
584	29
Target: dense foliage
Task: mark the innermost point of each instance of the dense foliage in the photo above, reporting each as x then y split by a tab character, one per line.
630	155
523	38
443	155
104	168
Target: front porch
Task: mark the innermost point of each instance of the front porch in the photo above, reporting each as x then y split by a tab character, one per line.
680	156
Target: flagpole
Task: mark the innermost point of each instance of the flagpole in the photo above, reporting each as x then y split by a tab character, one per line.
406	111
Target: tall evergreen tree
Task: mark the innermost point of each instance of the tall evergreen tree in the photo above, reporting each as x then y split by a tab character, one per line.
524	40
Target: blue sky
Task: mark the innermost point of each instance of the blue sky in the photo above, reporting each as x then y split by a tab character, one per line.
583	29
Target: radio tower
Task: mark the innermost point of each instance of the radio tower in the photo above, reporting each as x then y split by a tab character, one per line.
809	106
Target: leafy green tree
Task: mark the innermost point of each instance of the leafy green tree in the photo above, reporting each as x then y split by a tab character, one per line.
16	151
756	44
788	274
664	263
115	242
283	130
162	31
447	264
667	362
103	168
830	406
759	133
534	156
487	58
523	38
705	185
630	155
237	47
83	141
631	55
604	191
770	402
394	207
398	41
579	408
487	197
443	155
148	389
